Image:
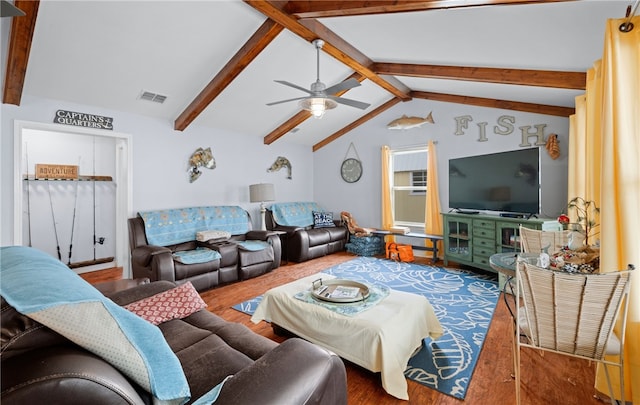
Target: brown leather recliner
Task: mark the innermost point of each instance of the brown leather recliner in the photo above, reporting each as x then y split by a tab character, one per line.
41	366
235	263
300	244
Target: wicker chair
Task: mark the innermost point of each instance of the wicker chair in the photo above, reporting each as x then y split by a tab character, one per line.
535	241
572	314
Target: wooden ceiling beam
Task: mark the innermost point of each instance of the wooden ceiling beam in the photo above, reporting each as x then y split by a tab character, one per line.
20	38
335	8
356	123
493	103
266	33
300	117
524	77
356	60
334	45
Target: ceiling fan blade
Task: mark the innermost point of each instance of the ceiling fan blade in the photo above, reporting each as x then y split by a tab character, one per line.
286	101
346	85
349	102
295	86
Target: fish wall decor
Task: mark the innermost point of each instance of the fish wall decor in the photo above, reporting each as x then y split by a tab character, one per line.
200	158
281	162
405	122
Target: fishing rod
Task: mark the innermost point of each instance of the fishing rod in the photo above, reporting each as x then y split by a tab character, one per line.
26	151
53	215
73	219
93	179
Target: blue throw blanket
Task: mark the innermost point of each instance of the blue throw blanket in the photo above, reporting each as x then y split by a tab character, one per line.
294	213
170	227
44	289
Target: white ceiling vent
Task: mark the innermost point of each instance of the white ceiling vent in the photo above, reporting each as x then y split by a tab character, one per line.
149	96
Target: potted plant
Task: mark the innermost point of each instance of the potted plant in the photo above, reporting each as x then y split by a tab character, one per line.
579	255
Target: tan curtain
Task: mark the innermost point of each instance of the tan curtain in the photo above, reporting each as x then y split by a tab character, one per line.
608	128
432	217
577	154
387	214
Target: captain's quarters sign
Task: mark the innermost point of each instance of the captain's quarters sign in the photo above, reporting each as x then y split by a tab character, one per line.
83	120
57	172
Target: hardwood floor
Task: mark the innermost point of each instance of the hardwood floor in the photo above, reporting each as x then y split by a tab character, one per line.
547	379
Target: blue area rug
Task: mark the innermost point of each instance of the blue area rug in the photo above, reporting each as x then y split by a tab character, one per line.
464	303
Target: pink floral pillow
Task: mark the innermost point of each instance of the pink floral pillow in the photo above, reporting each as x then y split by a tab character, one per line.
176	303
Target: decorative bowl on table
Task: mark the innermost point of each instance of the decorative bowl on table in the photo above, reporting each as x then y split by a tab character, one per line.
339	290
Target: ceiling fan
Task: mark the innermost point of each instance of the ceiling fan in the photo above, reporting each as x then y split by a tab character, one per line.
320	97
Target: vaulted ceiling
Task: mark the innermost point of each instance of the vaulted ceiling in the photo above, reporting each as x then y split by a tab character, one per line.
216	61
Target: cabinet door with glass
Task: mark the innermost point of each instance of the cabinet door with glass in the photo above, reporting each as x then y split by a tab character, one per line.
507	237
457	235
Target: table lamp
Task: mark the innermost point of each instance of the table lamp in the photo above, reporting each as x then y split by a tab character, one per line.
260	193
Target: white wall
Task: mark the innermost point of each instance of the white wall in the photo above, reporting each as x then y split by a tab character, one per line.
160	156
362	198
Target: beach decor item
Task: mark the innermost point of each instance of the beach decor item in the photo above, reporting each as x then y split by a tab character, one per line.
351	168
200	158
579	255
406	122
281	162
585	213
553	146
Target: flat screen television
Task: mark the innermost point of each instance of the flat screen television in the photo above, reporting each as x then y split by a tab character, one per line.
506	182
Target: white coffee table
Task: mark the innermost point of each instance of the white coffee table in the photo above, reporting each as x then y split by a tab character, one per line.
380	339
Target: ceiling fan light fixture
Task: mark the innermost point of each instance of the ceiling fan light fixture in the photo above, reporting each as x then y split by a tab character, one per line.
318	105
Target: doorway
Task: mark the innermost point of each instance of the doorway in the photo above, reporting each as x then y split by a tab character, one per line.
81	220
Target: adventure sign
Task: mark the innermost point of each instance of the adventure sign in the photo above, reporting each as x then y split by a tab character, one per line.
83	120
58	172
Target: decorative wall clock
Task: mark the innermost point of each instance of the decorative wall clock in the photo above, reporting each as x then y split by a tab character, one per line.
351	169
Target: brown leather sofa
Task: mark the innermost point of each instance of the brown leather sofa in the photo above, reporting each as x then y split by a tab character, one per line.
40	366
304	241
234	262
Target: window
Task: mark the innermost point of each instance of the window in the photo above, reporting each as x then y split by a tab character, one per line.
408	182
419	179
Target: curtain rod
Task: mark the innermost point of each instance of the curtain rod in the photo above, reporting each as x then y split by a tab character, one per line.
627	26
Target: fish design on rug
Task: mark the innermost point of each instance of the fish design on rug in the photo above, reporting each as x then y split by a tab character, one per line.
405	122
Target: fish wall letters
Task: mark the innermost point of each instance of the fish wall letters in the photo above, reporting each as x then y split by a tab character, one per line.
505	125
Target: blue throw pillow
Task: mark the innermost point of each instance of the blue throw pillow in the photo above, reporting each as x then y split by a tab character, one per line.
323	219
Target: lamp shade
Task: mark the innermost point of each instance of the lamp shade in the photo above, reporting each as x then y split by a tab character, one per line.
261	192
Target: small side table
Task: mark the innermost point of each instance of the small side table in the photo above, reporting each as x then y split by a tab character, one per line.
505	264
